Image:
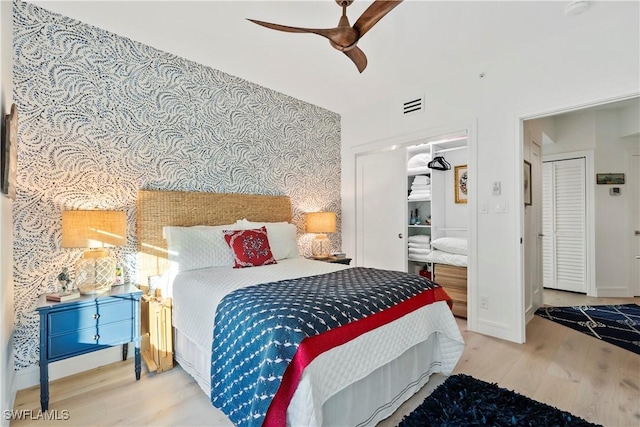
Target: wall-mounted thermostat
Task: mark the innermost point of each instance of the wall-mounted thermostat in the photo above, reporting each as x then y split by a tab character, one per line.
614	191
496	188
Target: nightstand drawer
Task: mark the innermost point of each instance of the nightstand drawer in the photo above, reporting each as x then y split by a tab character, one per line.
82	340
100	313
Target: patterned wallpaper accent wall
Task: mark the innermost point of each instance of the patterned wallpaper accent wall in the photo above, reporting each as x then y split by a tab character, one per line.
102	116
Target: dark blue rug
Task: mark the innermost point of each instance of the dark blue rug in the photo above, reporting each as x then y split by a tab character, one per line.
465	401
615	324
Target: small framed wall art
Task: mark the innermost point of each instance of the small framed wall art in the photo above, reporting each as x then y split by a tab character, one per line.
9	153
527	183
610	178
460	183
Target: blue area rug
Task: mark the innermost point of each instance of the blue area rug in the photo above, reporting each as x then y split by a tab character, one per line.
615	324
465	401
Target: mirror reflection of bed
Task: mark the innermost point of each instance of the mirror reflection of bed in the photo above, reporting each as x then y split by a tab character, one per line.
355	366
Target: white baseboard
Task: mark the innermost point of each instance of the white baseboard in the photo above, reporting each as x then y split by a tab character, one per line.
528	316
29	377
494	329
613	293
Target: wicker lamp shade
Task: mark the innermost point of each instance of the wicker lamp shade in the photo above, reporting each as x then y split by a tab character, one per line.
321	223
93	229
96	270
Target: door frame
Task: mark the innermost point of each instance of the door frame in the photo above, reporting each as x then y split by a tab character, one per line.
420	137
519	118
590	210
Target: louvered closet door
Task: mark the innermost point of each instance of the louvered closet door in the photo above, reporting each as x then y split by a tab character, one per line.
564	225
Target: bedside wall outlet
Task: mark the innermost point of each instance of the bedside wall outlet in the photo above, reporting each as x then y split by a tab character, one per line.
484	301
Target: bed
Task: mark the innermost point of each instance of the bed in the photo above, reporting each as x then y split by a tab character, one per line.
449	259
356	372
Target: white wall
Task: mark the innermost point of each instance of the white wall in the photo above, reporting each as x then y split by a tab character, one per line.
603	132
7	373
628	120
446	212
612	213
580	67
576	132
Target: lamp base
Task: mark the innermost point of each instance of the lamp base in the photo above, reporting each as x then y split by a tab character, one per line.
95	275
321	247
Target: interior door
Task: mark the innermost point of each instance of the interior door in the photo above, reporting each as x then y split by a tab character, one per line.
381	195
536	221
564	225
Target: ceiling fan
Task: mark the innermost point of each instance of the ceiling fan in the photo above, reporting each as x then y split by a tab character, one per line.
344	37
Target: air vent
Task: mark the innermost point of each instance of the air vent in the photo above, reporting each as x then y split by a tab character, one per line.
413	106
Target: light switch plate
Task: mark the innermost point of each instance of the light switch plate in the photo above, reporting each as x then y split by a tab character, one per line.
501	206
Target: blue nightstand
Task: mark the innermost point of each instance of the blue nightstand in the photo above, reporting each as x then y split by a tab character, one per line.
86	324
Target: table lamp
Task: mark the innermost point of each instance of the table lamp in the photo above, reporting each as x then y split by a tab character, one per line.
321	223
96	270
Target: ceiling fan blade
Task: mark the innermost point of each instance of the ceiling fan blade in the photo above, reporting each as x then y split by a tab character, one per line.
373	14
328	32
358	57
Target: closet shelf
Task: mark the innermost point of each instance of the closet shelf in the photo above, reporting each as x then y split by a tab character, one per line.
419	200
419	226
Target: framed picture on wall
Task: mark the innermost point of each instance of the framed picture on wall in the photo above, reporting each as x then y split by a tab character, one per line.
610	178
460	183
527	183
9	153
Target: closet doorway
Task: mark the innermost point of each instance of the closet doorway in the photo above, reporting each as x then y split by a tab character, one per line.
564	225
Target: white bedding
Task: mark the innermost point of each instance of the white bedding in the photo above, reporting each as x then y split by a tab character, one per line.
196	294
204	289
441	257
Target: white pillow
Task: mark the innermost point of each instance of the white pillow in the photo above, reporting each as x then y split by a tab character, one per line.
282	237
200	246
419	160
453	245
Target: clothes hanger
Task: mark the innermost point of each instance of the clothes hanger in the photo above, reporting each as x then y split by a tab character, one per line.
439	163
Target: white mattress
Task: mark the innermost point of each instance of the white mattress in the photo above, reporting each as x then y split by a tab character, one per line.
323	393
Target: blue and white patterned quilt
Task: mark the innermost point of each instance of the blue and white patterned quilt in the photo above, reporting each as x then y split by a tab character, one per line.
258	329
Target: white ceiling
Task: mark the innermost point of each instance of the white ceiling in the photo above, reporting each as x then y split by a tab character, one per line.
416	43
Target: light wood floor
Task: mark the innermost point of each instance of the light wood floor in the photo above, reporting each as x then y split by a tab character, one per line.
564	368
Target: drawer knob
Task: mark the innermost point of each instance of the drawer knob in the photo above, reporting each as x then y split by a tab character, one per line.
96	316
96	337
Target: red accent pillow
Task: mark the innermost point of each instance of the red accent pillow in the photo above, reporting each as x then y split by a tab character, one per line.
250	247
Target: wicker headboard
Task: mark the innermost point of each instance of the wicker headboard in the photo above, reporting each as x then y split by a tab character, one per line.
157	208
